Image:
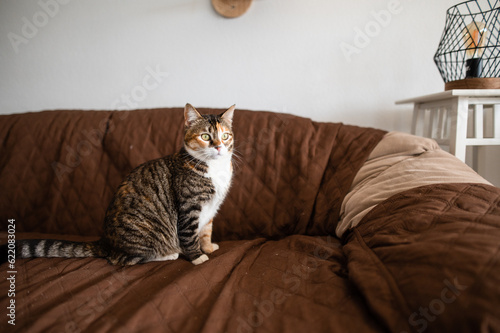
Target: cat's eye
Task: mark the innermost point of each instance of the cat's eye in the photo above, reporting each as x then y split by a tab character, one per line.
205	137
225	136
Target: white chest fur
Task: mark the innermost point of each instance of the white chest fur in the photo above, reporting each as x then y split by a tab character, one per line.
220	173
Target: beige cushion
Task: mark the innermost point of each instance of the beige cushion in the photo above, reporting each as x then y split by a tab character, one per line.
400	162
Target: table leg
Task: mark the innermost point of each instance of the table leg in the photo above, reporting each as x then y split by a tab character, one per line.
458	130
417	125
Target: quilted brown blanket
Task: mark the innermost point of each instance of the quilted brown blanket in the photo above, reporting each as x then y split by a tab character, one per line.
425	260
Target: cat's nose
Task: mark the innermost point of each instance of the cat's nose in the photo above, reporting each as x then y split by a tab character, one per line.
218	148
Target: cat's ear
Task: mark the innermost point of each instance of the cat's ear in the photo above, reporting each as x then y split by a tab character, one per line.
228	114
190	115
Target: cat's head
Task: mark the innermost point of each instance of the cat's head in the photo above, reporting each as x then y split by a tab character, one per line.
208	137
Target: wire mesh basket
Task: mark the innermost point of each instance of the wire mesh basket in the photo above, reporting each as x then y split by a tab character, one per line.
469	47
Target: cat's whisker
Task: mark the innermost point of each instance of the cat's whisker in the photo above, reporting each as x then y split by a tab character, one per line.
237	156
237	166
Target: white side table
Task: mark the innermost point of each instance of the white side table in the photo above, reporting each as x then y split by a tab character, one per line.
443	117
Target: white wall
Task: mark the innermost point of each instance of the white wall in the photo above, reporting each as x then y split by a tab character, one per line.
302	57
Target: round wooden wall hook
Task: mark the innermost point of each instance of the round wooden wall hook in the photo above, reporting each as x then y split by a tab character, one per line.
231	8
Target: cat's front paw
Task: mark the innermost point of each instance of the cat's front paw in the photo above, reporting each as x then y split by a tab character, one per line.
209	248
201	259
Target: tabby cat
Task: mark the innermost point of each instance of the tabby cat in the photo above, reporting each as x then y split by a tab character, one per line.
164	207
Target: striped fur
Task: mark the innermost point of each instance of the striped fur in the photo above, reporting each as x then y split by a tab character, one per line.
54	248
164	207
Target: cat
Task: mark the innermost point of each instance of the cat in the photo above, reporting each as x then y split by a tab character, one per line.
164	207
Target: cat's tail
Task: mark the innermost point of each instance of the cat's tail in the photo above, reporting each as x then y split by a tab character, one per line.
49	248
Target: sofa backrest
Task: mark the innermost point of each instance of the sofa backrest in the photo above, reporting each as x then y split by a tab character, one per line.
59	169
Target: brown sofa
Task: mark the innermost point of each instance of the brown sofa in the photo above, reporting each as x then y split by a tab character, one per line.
327	228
